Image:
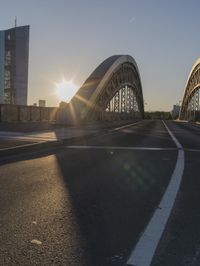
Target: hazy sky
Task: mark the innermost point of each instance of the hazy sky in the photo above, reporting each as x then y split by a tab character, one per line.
69	38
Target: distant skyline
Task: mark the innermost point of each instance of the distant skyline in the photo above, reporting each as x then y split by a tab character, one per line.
70	38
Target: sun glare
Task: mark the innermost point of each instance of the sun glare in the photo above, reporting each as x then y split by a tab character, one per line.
65	90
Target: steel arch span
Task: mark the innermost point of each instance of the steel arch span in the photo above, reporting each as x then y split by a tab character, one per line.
190	103
113	91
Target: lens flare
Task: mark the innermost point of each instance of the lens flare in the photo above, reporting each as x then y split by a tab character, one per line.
65	90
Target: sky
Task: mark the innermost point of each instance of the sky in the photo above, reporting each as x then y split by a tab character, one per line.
70	38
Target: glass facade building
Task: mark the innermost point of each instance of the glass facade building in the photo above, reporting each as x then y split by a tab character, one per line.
14	53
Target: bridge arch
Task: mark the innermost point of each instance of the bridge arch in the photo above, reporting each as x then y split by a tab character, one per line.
190	103
112	91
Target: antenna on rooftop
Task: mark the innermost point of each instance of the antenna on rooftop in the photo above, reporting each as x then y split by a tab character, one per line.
15	21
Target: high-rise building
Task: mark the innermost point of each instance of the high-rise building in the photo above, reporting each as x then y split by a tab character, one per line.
42	103
14	51
175	111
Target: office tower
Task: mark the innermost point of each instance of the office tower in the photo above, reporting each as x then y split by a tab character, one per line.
14	51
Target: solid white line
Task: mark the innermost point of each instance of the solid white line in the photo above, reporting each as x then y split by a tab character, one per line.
192	150
129	125
127	148
27	139
144	250
20	146
119	148
173	137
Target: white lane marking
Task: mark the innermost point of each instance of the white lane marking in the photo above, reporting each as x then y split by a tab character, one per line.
125	148
178	144
144	250
20	146
193	150
25	139
119	148
129	125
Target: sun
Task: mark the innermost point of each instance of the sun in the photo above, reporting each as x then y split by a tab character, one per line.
65	90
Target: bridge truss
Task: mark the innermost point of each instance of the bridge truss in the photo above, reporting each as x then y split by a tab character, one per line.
124	101
190	104
112	92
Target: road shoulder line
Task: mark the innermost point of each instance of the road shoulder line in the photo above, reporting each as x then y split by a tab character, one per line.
145	248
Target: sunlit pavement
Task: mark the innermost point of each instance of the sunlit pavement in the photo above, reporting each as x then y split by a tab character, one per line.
87	204
12	135
56	134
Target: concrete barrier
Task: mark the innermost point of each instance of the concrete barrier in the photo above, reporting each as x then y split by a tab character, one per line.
35	114
61	115
15	113
44	112
24	113
53	113
9	113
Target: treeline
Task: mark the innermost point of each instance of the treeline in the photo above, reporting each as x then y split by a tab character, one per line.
158	115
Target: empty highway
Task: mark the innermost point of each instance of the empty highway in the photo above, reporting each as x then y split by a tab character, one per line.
89	202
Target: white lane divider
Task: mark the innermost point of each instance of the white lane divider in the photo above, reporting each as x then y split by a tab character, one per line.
119	148
144	250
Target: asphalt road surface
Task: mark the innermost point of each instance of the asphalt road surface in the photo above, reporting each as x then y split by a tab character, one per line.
88	203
